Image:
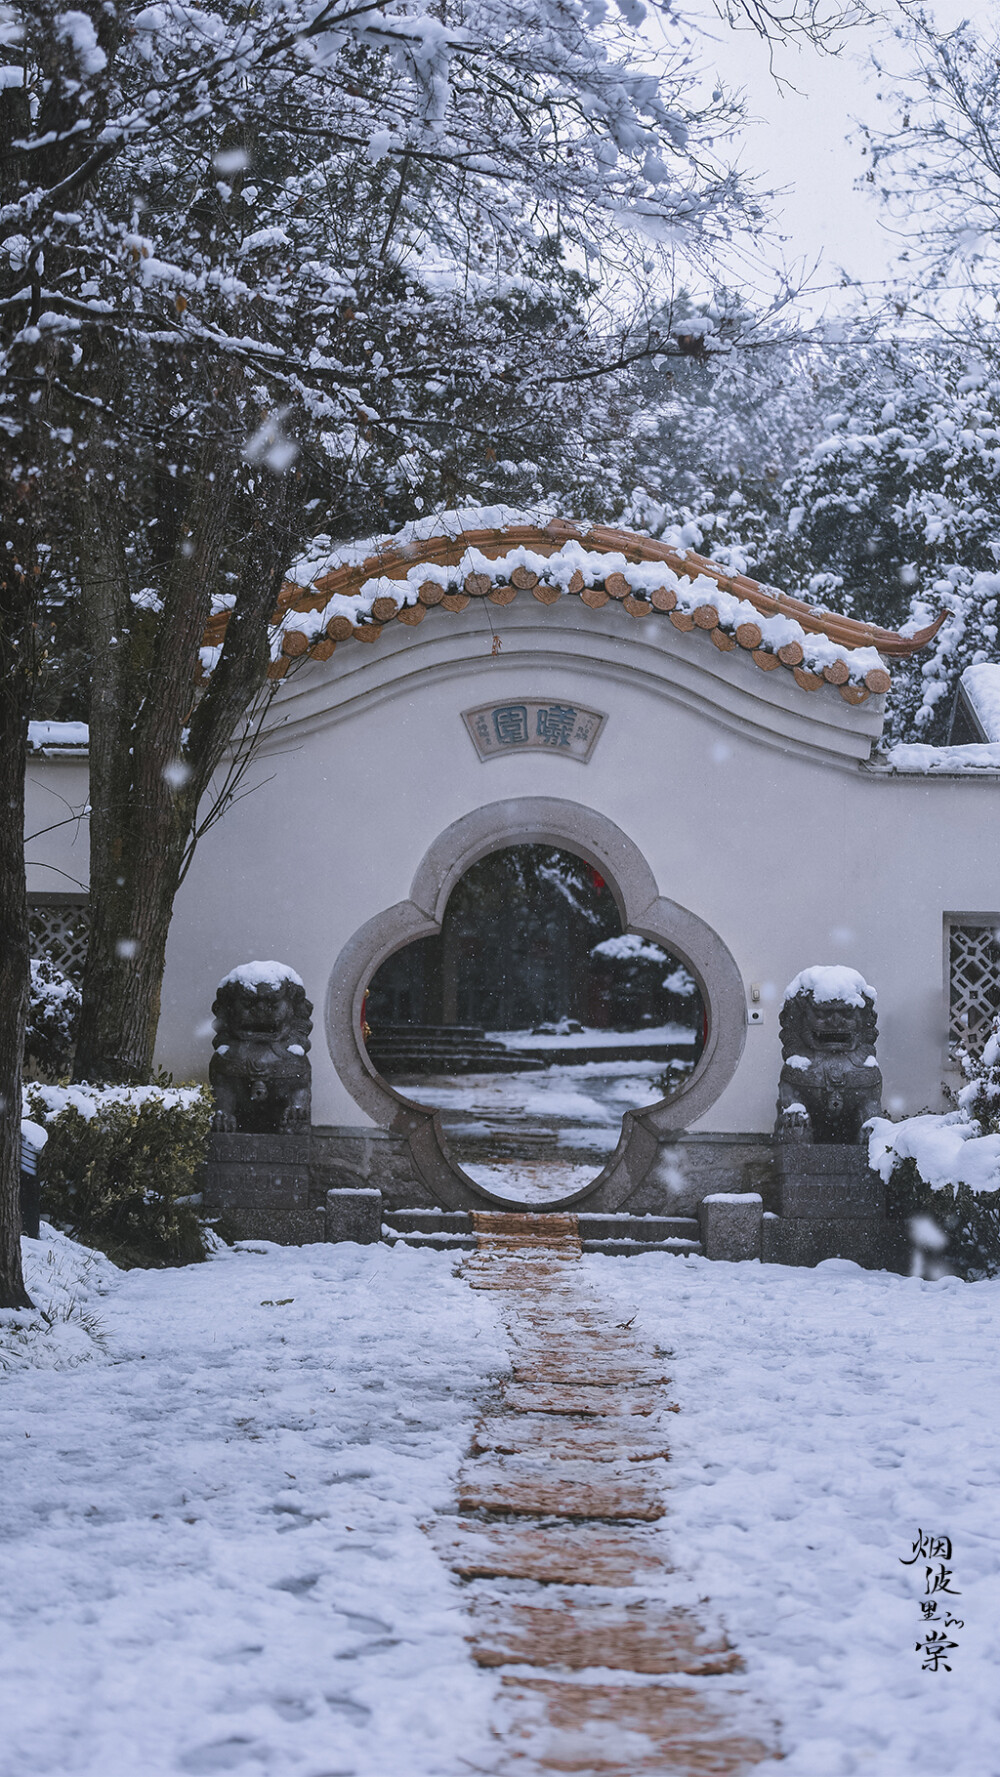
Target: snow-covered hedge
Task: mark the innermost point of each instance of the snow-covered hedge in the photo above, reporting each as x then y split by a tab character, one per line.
121	1168
53	1009
948	1167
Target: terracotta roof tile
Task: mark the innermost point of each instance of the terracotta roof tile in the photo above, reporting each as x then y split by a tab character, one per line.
402	581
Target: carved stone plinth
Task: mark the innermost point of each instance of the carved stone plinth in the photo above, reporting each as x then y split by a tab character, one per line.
832	1206
259	1186
831	1180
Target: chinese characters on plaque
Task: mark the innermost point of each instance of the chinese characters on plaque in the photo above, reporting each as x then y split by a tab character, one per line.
534	725
937	1620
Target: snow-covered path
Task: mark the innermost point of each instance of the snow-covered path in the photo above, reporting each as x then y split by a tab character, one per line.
212	1548
533	1138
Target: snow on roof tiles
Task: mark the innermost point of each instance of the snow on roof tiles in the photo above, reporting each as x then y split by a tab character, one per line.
407	576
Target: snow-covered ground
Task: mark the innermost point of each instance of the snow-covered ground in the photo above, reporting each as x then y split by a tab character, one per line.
212	1546
827	1417
212	1549
533	1138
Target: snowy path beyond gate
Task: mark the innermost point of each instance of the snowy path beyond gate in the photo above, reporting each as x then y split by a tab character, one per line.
220	1526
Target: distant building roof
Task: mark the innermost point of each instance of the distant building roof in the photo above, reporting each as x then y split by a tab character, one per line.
977	706
53	738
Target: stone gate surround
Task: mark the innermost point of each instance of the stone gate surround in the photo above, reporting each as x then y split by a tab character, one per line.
435	1179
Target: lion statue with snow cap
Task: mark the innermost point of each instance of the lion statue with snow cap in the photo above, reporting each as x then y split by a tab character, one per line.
830	1081
260	1073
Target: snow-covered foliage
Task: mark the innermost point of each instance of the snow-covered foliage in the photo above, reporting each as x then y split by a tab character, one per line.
679	981
713	440
947	1151
629	947
948	1167
66	1283
122	1165
935	166
53	1009
367	216
895	515
49	1102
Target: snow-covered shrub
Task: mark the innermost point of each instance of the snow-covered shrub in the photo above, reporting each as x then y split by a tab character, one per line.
53	1009
120	1170
947	1167
66	1283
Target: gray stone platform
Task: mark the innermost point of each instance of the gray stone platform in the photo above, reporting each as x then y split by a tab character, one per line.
732	1197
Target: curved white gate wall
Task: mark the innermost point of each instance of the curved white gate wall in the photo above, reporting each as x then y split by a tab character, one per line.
751	802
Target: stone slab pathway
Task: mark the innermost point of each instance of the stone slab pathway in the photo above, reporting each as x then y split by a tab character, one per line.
600	1674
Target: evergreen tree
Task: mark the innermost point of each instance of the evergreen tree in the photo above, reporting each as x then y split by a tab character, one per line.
895	515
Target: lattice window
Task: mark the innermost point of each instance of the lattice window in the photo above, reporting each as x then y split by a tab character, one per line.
974	957
59	930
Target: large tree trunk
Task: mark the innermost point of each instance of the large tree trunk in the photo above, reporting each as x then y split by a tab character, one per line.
132	889
134	841
153	750
16	610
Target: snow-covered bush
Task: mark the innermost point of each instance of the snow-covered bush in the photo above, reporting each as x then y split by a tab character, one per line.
947	1167
646	985
121	1167
52	1014
66	1283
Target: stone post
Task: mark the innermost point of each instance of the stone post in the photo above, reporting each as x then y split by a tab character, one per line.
354	1215
730	1223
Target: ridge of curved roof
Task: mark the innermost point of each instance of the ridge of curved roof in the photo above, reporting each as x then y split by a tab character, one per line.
355	601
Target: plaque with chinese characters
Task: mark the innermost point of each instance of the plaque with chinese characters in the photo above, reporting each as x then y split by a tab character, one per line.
534	725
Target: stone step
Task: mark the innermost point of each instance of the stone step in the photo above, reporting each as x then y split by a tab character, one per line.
424	1049
424	1221
440	1243
472	1033
404	1063
619	1236
442	1049
627	1249
594	1226
442	1230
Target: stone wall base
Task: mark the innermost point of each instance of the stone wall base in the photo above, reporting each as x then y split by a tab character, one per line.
286	1188
877	1245
786	1205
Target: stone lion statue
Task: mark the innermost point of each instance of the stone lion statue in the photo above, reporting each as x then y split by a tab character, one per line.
260	1073
830	1081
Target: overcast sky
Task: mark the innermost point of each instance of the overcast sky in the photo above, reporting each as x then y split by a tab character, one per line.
798	137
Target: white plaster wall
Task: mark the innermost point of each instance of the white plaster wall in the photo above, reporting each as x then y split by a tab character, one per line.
788	848
56	831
